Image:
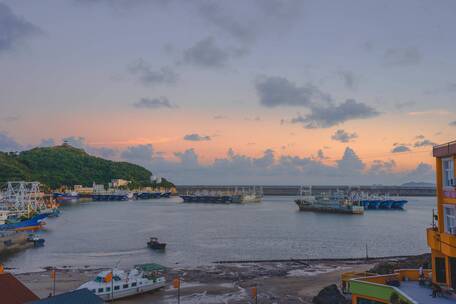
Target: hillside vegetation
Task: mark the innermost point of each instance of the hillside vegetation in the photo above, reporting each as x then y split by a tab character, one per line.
68	166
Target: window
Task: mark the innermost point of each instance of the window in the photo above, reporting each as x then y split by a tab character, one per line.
449	214
100	290
448	172
133	284
125	285
116	287
94	291
108	289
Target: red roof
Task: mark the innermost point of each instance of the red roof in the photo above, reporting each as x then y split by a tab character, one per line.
12	291
445	150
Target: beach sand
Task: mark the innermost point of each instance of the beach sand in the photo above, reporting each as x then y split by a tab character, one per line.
277	282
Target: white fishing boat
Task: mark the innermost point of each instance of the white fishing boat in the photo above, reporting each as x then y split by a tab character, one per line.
116	283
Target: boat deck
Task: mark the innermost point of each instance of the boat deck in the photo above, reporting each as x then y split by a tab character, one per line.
423	295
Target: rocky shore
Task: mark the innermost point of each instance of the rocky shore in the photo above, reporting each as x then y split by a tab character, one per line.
276	282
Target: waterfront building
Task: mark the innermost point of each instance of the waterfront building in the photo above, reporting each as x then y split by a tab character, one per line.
403	285
83	190
118	182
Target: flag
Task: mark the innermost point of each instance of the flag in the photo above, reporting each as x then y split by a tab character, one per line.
53	274
108	277
176	283
254	292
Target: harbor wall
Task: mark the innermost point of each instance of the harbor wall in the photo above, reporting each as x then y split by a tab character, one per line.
294	190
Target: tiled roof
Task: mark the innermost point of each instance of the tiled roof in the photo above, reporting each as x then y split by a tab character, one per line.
12	291
79	296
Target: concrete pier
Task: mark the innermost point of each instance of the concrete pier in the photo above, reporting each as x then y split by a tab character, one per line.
293	190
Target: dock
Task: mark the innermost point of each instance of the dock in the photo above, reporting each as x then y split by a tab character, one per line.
293	190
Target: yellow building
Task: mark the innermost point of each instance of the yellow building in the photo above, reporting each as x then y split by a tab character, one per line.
403	286
442	237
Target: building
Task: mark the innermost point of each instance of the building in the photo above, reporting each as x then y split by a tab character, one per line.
442	238
12	291
403	285
118	182
77	296
83	190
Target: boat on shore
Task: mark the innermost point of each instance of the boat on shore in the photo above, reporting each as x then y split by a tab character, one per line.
328	203
116	283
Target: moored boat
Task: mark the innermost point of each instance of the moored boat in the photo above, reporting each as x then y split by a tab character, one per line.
116	283
155	244
332	203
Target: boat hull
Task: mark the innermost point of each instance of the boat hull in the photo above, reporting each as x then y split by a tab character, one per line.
131	291
329	208
34	223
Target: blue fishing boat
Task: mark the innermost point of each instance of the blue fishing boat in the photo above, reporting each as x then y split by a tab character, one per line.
14	223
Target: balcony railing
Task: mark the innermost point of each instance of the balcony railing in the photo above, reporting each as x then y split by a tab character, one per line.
445	149
443	242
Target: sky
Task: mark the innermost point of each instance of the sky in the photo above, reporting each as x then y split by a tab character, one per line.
234	92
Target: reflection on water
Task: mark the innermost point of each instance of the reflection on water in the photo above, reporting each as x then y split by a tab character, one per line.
103	234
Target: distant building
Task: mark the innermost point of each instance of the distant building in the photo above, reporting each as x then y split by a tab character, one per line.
83	190
116	183
98	188
12	291
156	179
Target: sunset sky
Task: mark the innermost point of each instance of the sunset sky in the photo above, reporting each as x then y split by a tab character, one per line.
240	91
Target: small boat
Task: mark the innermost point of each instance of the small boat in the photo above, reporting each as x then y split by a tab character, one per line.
155	244
116	283
37	241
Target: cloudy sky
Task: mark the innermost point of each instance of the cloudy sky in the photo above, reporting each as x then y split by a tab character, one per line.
242	91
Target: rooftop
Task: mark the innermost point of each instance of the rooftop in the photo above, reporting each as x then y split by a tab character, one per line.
445	150
12	291
423	295
73	297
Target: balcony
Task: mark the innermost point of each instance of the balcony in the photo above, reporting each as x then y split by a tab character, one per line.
443	242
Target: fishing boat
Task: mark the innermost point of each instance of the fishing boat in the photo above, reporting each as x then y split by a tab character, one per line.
14	221
116	195
336	202
384	202
212	197
252	195
116	283
66	196
36	240
155	244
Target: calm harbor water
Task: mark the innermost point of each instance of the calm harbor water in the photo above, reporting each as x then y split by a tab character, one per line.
103	234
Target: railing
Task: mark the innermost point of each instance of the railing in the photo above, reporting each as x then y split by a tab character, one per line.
444	149
443	242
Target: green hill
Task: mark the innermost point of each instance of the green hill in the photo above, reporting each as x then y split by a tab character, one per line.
68	166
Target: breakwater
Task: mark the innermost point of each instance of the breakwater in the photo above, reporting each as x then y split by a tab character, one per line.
293	190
